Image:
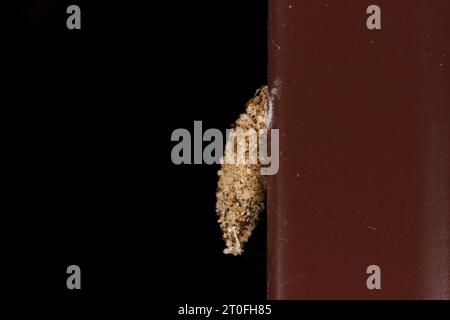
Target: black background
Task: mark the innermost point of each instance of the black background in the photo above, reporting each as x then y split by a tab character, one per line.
88	116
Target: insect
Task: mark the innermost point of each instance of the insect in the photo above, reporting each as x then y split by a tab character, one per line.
241	188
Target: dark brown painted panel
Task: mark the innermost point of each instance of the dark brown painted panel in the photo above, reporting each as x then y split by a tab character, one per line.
364	151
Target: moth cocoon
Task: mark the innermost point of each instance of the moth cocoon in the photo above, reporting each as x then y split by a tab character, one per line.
241	188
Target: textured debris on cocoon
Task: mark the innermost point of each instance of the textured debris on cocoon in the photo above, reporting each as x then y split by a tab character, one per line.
241	187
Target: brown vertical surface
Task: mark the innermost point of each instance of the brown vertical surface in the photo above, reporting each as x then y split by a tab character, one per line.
364	150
